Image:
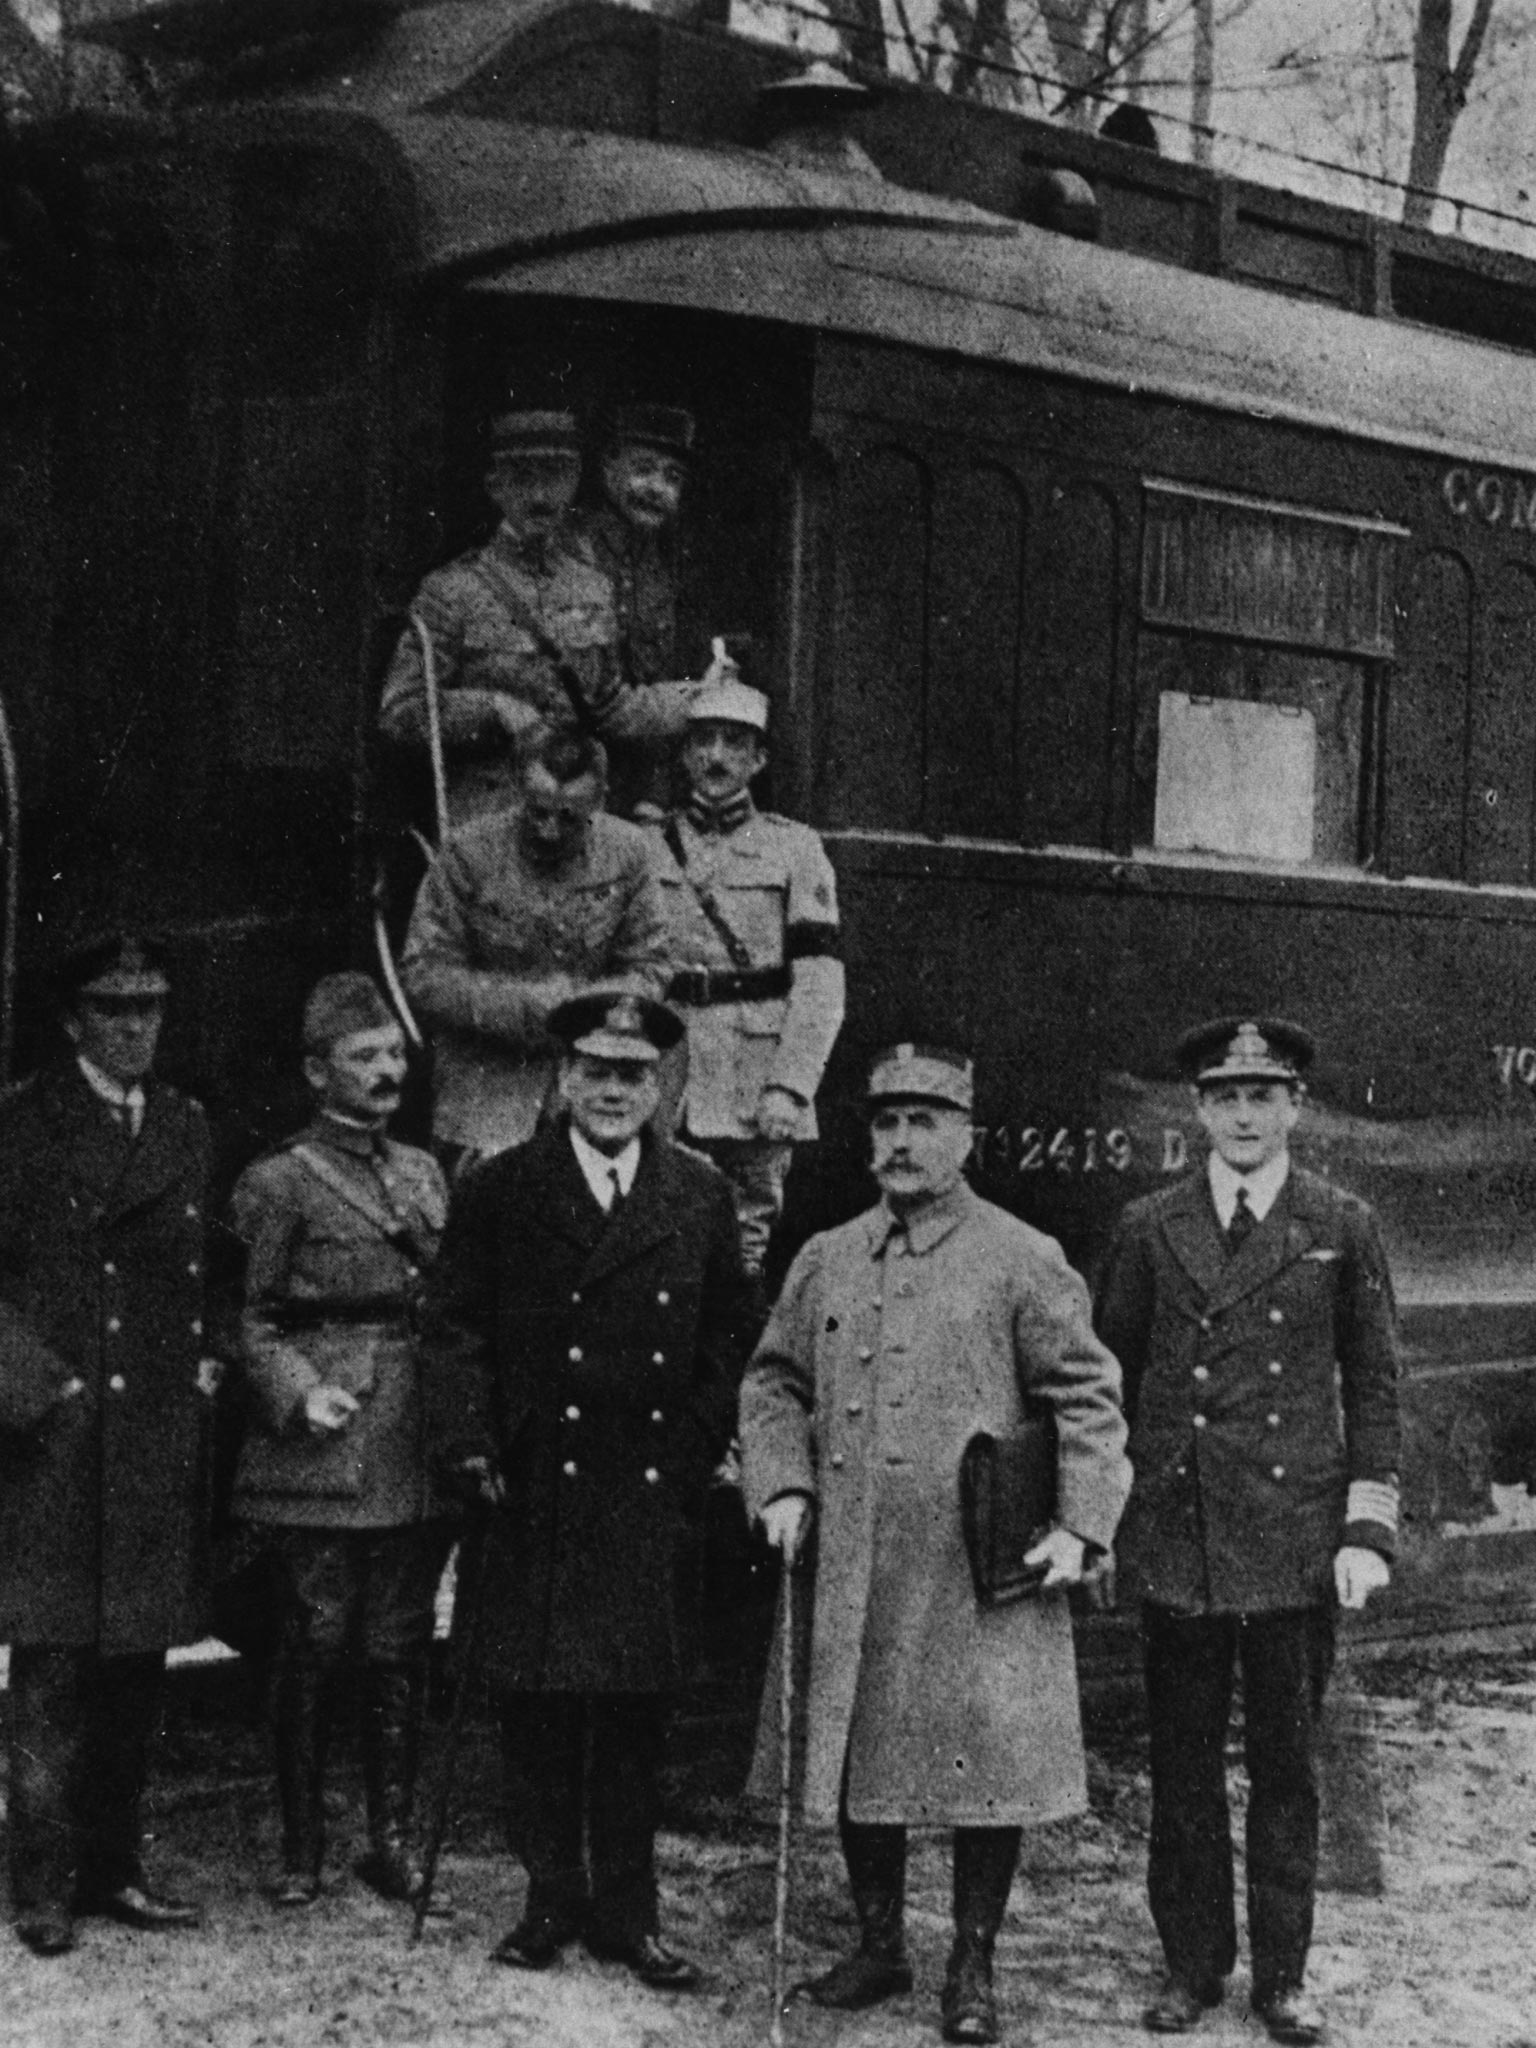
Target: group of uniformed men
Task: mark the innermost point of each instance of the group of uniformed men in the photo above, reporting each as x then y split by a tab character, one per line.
630	1023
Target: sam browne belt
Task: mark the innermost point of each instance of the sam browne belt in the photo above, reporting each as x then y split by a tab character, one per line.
701	985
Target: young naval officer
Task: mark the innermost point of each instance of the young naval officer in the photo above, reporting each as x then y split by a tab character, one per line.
1251	1310
584	1331
898	1337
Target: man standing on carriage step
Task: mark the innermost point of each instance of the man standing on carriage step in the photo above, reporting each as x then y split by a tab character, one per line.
898	1337
751	910
643	471
583	1333
105	1423
339	1224
522	632
1251	1309
519	912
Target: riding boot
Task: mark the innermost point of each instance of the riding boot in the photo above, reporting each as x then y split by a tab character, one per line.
985	1859
877	1875
393	1702
300	1716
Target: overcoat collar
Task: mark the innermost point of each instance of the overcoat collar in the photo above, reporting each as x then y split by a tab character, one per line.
1222	1277
929	1227
116	1172
642	1220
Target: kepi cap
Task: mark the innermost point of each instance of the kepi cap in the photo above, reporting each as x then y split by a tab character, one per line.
922	1073
616	1024
667	427
341	1004
1246	1049
534	433
123	964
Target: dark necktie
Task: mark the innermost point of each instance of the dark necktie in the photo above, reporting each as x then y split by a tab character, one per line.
618	1191
1243	1223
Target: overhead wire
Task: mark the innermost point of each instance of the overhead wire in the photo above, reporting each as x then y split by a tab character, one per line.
1101	95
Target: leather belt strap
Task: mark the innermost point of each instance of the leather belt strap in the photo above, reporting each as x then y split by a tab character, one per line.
701	987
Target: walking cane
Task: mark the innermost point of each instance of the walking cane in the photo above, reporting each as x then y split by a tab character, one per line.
474	1607
786	1730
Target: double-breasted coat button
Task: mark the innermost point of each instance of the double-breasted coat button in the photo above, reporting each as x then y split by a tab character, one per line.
192	1210
117	1383
109	1267
197	1326
569	1468
114	1324
573	1413
1277	1471
855	1407
1199	1422
193	1268
1205	1322
865	1353
656	1415
1273	1421
837	1461
1202	1372
1275	1368
651	1475
663	1297
574	1354
657	1358
1277	1315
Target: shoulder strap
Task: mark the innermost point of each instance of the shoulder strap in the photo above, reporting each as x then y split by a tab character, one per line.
522	615
735	947
388	1224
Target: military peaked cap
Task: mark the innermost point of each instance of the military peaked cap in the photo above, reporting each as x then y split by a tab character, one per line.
613	1024
922	1073
121	964
341	1004
534	433
667	427
1245	1049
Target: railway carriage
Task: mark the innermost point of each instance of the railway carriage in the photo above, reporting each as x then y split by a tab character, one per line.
1142	565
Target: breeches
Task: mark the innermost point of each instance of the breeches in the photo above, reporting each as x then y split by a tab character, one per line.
581	1775
363	1592
81	1729
1286	1659
757	1170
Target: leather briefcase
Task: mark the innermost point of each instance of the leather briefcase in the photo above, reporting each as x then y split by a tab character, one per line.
1007	1502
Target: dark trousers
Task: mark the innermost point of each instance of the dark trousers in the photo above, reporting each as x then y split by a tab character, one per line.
81	1729
1190	1661
582	1791
363	1592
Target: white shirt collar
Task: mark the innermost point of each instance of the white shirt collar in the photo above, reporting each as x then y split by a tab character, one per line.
103	1085
600	1167
1263	1187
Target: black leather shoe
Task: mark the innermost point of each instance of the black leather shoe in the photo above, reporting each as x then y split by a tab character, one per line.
1178	2006
296	1888
968	2007
649	1957
857	1981
135	1905
1289	2015
533	1944
47	1932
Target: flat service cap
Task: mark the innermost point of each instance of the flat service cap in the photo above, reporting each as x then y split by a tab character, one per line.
120	963
534	433
341	1004
1245	1049
667	427
922	1073
614	1024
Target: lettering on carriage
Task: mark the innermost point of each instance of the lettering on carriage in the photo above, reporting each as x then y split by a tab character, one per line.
1515	1064
1064	1149
1491	499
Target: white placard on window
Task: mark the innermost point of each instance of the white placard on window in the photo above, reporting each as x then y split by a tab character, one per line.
1235	777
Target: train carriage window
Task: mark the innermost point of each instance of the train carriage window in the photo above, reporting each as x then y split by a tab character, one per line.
1260	627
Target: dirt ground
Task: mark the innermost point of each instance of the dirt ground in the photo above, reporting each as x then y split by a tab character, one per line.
1443	1959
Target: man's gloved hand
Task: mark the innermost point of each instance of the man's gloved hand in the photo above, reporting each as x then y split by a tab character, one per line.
210	1376
477	1483
785	1522
778	1115
1062	1554
1358	1573
328	1409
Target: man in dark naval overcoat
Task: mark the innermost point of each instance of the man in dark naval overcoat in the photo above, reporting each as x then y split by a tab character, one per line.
1251	1309
339	1224
583	1332
104	1417
931	1318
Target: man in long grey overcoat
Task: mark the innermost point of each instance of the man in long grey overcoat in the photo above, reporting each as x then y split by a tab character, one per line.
104	1428
584	1331
897	1338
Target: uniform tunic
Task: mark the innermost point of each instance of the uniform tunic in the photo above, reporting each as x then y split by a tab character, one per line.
641	576
103	1490
888	1350
328	1298
495	944
595	1358
1260	1384
774	887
